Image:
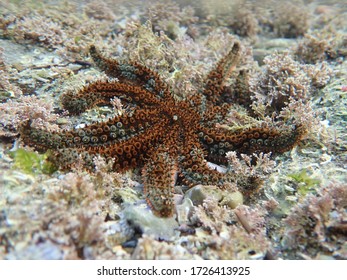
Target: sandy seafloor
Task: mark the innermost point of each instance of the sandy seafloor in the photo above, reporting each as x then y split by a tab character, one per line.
299	208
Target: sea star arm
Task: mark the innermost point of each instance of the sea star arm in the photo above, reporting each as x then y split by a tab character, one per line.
125	154
193	166
110	132
102	92
250	140
131	73
215	80
159	180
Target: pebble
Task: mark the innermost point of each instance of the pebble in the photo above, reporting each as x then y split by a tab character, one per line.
199	193
140	216
184	210
232	199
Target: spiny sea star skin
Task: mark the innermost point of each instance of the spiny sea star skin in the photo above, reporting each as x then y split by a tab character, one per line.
159	134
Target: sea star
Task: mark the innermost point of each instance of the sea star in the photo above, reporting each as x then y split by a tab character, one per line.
159	133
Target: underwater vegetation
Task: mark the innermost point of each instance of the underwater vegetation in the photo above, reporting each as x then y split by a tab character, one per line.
173	130
31	162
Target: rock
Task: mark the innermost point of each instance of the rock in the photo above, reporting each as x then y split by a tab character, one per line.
184	210
118	232
199	193
141	217
232	199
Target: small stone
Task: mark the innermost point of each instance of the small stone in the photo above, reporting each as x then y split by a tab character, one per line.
184	210
130	244
118	232
75	67
232	199
217	167
199	193
143	218
61	121
19	66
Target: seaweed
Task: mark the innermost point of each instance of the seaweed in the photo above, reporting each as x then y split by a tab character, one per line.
32	162
306	184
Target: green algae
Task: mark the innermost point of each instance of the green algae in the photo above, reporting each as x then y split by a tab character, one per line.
306	183
32	162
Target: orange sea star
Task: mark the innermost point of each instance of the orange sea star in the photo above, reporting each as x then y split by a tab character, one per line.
158	133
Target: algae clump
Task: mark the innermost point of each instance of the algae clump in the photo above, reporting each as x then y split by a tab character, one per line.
306	183
32	162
